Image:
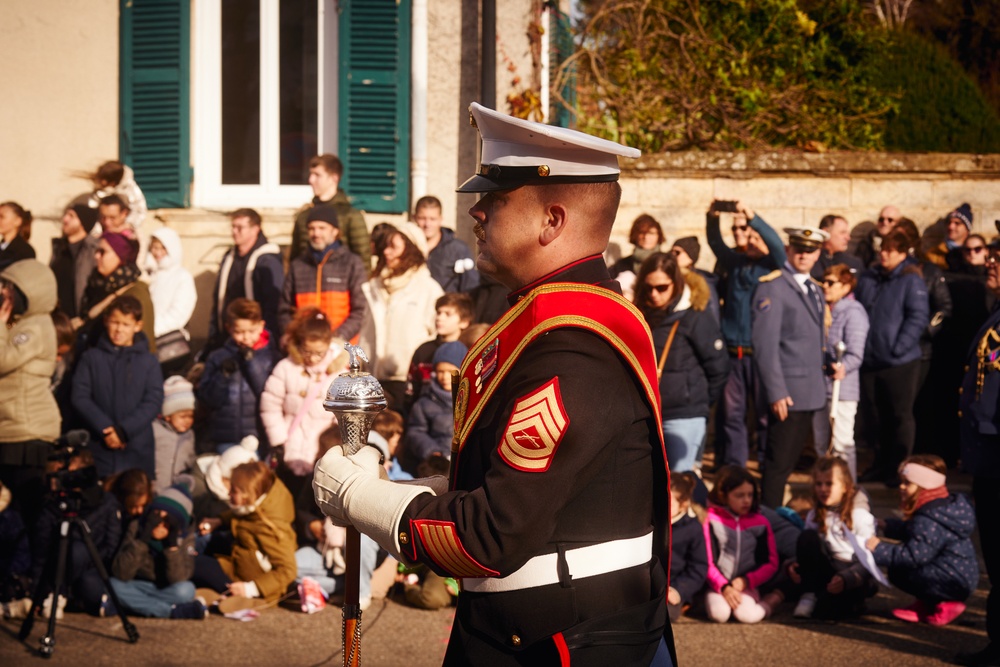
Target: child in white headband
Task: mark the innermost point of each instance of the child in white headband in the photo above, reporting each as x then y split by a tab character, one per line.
935	560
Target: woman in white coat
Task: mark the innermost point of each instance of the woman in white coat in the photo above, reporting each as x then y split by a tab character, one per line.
172	291
401	307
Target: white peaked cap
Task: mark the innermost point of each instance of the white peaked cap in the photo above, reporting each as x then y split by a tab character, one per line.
522	152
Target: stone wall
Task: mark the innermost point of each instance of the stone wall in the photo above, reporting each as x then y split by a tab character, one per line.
795	188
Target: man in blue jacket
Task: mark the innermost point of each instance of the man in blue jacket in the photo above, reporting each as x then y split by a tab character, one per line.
759	251
788	337
448	258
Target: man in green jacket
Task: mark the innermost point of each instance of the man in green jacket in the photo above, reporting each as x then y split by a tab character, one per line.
325	172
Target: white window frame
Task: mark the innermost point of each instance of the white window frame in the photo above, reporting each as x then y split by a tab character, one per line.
208	191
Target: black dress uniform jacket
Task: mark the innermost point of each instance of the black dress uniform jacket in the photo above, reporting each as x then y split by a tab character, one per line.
597	487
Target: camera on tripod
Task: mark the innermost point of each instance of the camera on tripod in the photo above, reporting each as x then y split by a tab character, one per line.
76	469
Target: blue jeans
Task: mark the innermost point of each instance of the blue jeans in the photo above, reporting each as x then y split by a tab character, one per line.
143	598
310	564
683	439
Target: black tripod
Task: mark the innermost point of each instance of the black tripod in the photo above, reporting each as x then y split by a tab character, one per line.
70	519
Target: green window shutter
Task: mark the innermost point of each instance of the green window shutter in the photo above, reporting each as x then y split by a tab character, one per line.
155	98
374	142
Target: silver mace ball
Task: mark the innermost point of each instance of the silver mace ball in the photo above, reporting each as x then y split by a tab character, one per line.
355	397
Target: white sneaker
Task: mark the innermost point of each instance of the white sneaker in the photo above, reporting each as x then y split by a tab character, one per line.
365	602
806	606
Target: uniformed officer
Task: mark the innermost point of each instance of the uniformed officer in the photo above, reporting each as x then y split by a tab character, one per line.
979	419
788	336
558	510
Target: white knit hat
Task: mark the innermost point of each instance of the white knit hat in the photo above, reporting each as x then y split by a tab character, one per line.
222	467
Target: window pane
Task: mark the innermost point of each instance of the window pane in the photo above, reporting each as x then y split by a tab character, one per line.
298	88
240	92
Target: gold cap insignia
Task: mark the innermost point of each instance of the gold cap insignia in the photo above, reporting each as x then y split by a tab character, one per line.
543	170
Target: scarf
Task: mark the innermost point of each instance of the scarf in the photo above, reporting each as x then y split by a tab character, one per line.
100	286
925	496
393	283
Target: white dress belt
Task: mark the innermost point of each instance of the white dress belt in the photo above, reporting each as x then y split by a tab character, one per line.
583	562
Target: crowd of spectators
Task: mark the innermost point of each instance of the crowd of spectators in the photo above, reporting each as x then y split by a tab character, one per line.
203	458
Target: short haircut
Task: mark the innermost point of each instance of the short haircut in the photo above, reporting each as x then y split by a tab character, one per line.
248	213
330	162
428	201
731	477
844	274
114	200
252	479
243	309
462	303
388	423
827	221
126	305
897	240
473	333
643	224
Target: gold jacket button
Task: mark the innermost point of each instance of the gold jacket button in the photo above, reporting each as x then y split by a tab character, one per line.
515	640
959	413
404	538
960	389
966	369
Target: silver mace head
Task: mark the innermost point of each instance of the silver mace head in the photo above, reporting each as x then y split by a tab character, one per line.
355	397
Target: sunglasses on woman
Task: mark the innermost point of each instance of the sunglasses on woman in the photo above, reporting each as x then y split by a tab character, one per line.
659	289
976	249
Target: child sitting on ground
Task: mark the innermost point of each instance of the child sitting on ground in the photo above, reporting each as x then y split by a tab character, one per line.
834	583
235	375
935	561
15	558
688	556
152	570
173	434
453	316
386	434
741	551
431	425
118	392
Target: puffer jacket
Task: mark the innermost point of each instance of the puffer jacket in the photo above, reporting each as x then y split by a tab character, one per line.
431	424
936	546
231	388
697	363
28	411
332	284
939	305
284	396
848	323
451	263
739	546
171	286
268	530
351	221
136	558
898	313
120	387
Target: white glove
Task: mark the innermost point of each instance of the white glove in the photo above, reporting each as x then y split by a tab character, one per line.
349	491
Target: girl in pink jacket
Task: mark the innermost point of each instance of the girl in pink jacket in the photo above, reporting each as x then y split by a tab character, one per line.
741	549
291	406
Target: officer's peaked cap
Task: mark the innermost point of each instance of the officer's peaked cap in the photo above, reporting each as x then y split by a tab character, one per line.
522	152
809	238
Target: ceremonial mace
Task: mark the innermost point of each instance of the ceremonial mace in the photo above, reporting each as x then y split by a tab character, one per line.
355	397
835	397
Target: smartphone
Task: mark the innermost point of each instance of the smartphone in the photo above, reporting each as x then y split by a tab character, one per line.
725	206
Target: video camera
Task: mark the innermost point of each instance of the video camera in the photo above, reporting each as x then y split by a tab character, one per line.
64	480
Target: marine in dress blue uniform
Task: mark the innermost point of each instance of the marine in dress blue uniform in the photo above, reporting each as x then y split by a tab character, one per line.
788	337
556	518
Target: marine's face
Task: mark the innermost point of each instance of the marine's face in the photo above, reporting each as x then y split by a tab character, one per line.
506	233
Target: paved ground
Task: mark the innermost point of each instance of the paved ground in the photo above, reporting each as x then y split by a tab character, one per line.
397	635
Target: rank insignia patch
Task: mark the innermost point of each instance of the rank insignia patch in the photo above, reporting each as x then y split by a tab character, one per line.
535	429
764	305
440	541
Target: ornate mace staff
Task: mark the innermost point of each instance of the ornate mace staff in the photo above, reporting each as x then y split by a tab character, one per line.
355	397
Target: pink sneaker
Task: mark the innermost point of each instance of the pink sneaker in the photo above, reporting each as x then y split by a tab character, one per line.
945	612
311	595
915	613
